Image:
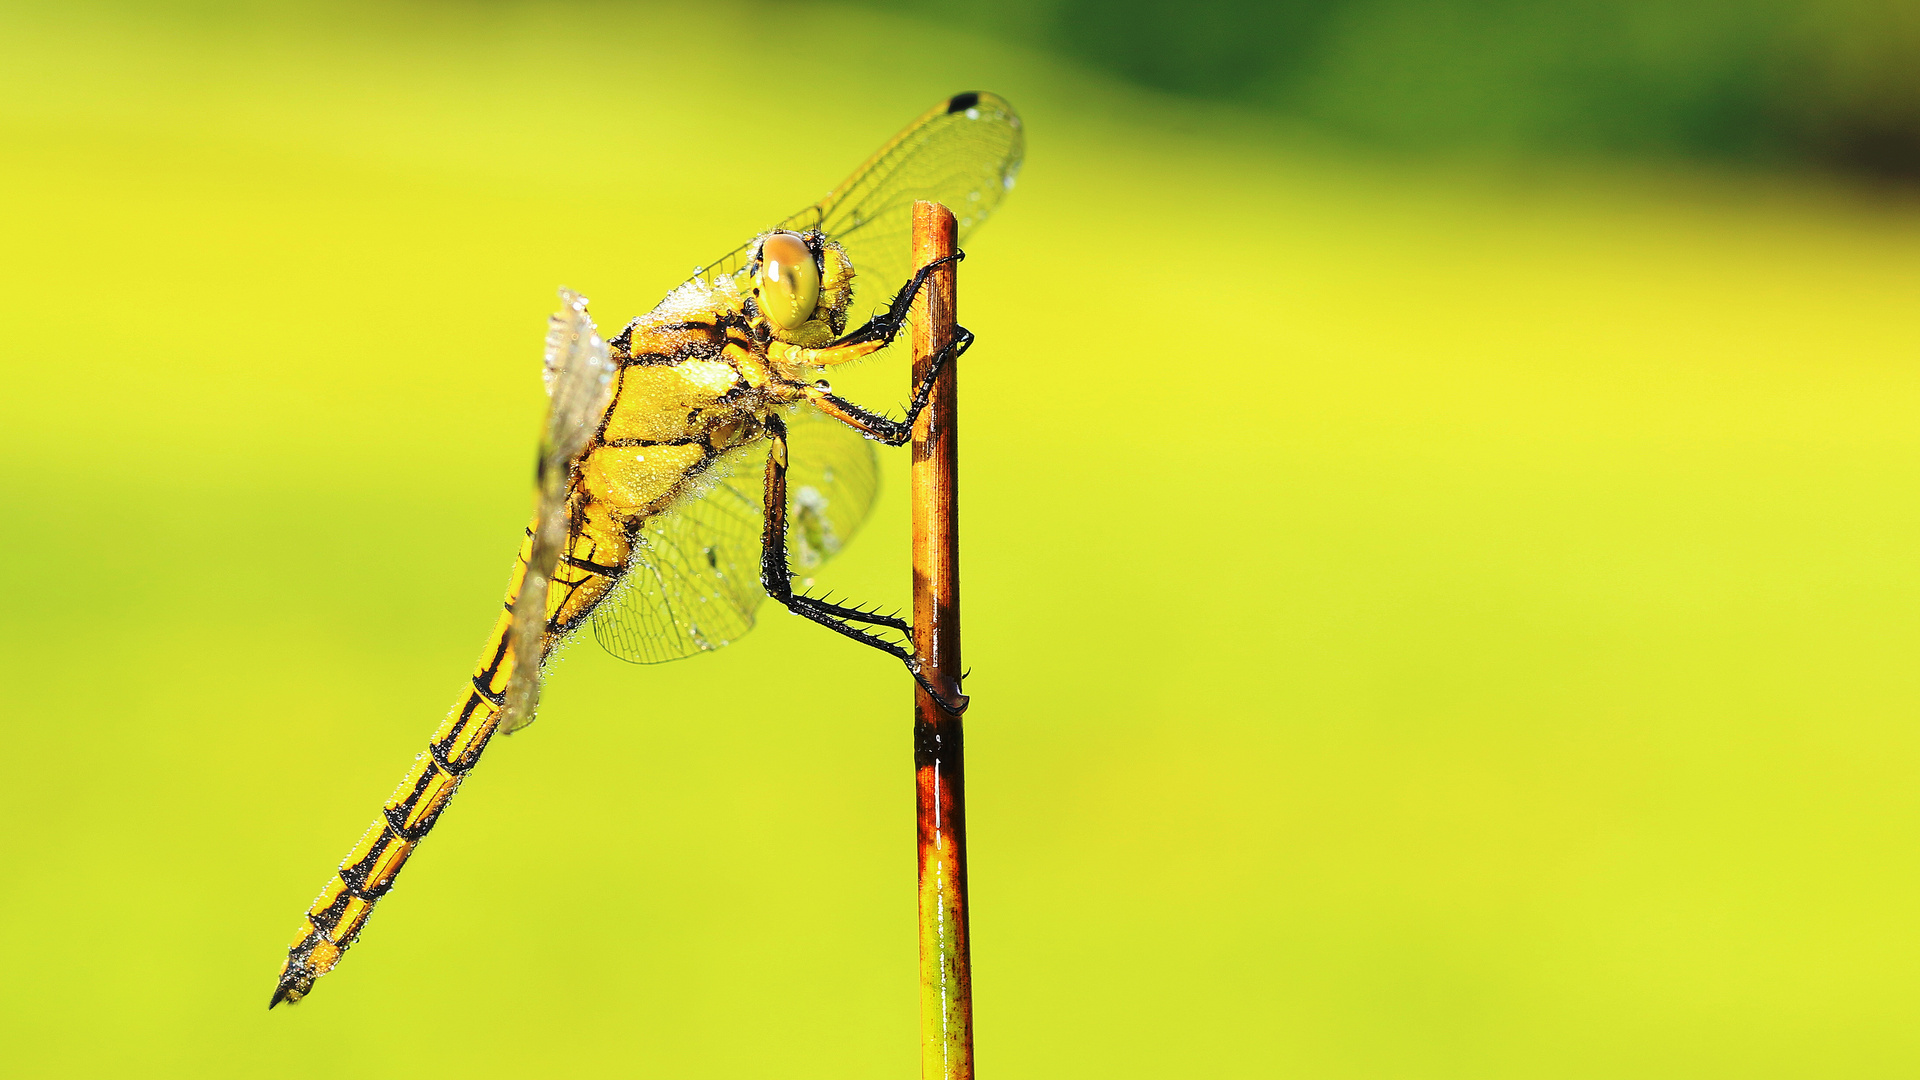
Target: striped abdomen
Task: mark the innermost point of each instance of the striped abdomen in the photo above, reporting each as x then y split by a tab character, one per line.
367	873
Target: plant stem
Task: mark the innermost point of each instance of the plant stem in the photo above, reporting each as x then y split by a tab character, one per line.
946	970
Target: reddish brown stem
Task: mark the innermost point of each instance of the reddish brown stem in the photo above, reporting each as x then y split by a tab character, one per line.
946	971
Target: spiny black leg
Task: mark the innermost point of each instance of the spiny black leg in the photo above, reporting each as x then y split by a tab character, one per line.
804	605
870	616
884	326
885	429
778	580
808	607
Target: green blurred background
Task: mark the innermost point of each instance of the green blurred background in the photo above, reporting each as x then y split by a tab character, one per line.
1442	587
1829	84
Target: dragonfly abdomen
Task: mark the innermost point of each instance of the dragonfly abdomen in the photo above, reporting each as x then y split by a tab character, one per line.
334	921
367	873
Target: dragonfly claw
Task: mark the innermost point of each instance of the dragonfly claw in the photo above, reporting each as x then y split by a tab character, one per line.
956	704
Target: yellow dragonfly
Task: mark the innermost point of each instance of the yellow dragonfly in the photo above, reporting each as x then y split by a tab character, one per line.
694	464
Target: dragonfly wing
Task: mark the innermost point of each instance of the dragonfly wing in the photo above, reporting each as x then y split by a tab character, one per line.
964	152
579	377
693	584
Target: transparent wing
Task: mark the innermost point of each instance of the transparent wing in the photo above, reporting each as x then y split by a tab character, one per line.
964	152
693	584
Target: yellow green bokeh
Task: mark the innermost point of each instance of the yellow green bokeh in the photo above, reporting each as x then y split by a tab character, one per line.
1424	622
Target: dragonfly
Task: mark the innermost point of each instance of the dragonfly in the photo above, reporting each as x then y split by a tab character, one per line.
696	464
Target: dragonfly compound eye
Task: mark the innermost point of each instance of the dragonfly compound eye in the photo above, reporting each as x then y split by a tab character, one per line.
789	281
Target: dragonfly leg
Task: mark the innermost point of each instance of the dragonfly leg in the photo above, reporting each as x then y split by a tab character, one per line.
884	326
859	615
876	334
882	428
777	579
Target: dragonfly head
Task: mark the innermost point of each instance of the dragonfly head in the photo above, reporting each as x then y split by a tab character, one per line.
802	284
